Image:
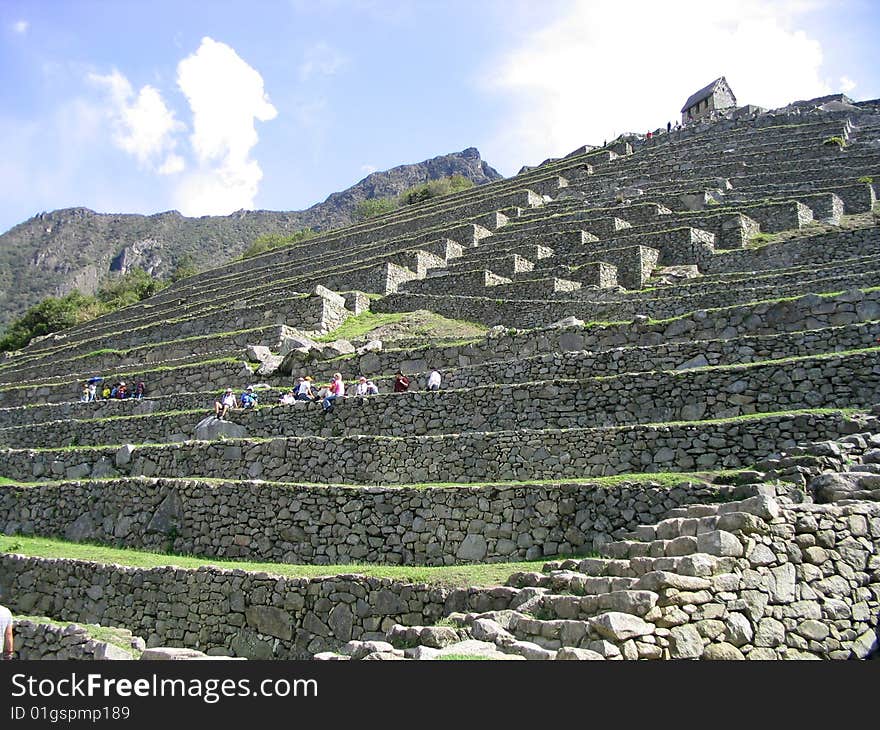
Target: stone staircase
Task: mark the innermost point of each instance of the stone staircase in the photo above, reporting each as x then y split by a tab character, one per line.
714	581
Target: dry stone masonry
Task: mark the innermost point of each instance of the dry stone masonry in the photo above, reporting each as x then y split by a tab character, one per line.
672	417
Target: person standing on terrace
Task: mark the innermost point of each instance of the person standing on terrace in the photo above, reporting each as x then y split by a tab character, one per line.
7	642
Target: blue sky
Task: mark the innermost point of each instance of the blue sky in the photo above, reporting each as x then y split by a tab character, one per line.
209	107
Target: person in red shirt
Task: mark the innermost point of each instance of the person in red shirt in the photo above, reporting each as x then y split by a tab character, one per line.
401	382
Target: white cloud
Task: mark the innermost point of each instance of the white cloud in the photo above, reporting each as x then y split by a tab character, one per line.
612	66
173	164
21	26
226	95
320	58
143	125
847	84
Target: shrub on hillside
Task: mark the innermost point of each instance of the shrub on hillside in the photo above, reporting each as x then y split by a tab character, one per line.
372	207
435	189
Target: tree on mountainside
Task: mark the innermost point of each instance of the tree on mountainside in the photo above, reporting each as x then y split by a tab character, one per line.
54	314
129	288
50	315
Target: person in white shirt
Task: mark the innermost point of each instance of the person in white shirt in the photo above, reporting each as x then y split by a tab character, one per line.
361	388
7	643
304	389
371	388
224	403
434	380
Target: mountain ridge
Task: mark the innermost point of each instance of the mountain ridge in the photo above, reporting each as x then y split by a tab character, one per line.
52	253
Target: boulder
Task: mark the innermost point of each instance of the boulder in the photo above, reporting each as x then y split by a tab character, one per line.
111	652
294	359
270	366
123	454
826	487
568	653
336	348
169	515
257	353
295	340
616	626
371	346
174	653
569	322
211	428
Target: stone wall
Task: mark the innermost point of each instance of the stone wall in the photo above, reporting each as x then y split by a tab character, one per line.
534	313
505	455
254	615
160	353
338	525
813	250
36	640
850	381
769	583
285	308
185	379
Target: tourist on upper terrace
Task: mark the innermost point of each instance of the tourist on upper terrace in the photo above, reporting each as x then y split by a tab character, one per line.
84	393
93	390
401	382
288	399
336	389
249	398
434	380
361	387
371	388
140	390
224	403
122	390
304	389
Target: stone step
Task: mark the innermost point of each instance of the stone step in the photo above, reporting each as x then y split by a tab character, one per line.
566	581
600	632
697	565
635	602
675	527
717	542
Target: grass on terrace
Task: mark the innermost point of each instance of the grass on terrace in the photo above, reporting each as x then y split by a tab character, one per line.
108	634
662	479
420	325
744	418
488	574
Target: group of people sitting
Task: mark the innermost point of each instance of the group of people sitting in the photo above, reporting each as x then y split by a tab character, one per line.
227	401
118	390
305	390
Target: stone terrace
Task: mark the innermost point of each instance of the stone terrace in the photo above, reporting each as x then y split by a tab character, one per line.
675	408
